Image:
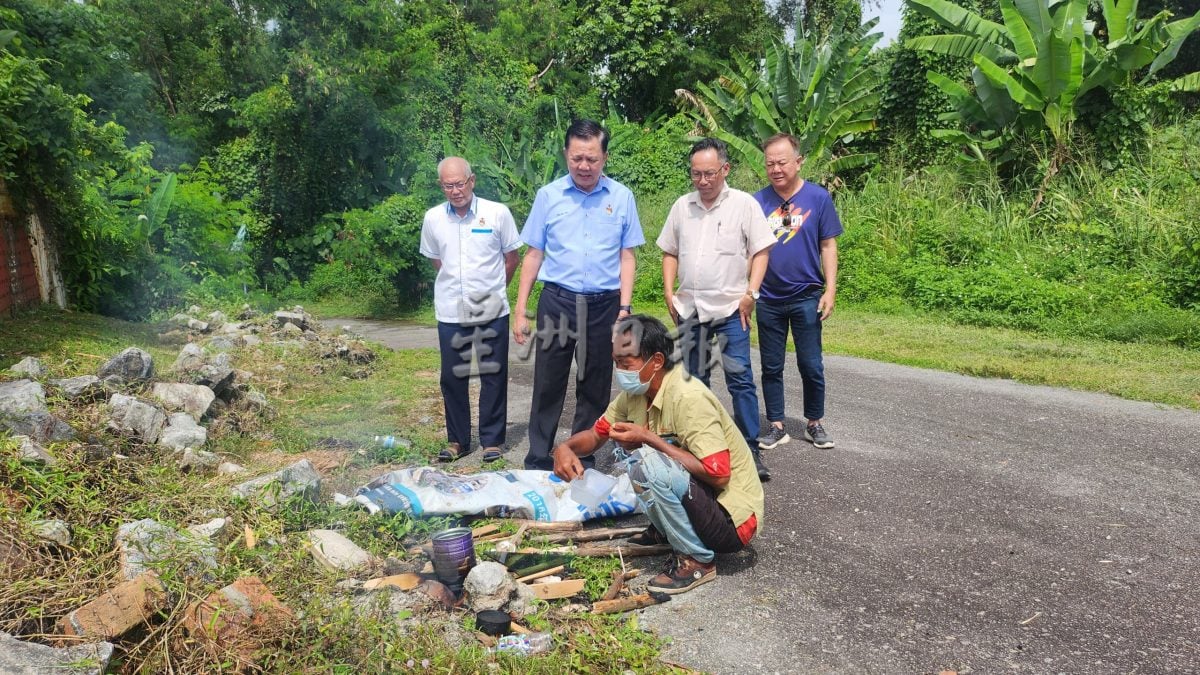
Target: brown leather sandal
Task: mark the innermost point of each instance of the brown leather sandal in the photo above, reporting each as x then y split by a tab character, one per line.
451	452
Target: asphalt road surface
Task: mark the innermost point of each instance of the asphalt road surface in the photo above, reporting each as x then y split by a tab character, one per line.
960	524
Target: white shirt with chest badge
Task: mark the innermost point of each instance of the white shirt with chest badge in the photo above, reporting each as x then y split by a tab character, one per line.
470	286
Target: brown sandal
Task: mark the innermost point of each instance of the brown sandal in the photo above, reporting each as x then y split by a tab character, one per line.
452	452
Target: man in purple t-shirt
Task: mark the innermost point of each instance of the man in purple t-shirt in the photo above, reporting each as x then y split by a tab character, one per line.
799	287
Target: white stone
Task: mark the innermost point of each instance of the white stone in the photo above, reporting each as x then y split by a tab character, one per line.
194	399
31	451
30	365
138	418
18	657
191	357
298	480
229	468
488	586
337	553
183	432
217	529
54	531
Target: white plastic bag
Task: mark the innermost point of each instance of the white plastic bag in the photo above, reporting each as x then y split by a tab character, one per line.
518	493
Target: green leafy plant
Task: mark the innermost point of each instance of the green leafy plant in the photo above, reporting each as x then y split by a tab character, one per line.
819	90
1032	70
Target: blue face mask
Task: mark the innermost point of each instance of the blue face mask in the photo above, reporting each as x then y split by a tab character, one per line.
630	381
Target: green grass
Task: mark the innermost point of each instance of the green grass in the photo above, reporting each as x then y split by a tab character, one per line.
1157	373
326	409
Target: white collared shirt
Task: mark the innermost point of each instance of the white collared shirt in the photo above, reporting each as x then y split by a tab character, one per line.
470	286
714	247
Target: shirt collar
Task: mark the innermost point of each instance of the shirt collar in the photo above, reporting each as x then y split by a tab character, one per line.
601	185
694	197
471	211
668	380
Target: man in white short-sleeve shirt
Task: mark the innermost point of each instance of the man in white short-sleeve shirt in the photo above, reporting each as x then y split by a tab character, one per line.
715	244
473	244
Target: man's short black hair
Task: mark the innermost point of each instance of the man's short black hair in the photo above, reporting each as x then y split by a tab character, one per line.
586	130
650	336
710	144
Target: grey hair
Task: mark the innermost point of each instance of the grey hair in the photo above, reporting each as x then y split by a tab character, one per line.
442	164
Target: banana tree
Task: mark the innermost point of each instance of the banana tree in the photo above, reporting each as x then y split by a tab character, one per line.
1032	69
823	92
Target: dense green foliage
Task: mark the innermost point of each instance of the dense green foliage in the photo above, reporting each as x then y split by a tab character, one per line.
209	149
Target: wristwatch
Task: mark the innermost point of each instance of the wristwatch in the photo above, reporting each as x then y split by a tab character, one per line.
754	295
625	308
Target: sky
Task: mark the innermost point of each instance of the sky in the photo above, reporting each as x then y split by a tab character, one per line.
890	13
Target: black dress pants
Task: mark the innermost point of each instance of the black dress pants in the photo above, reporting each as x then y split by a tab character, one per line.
570	325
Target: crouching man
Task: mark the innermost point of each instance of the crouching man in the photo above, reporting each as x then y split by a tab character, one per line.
689	464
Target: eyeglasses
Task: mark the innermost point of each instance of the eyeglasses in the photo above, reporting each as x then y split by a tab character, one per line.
455	186
786	209
705	175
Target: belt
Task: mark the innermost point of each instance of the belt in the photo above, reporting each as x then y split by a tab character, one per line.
555	289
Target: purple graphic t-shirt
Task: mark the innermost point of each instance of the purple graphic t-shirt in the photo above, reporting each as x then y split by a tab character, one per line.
799	223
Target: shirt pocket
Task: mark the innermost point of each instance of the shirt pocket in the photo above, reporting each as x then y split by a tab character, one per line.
605	231
481	246
729	241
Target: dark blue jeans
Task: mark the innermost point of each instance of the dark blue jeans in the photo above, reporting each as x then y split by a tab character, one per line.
734	342
801	316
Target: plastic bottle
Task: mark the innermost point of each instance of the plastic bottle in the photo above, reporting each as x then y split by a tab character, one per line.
385	441
523	645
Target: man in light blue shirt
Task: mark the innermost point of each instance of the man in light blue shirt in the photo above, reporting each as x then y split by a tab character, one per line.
581	233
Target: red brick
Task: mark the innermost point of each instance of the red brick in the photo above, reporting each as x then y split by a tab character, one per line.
225	614
113	614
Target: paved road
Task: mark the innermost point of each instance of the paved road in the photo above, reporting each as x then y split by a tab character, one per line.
960	524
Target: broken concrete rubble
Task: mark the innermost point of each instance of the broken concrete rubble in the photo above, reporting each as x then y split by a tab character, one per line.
193	399
137	418
18	657
30	366
336	553
488	586
182	432
298	480
199	461
52	531
227	616
114	613
82	388
31	451
131	365
146	543
23	411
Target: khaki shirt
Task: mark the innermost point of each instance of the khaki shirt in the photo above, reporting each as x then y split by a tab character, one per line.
714	247
687	410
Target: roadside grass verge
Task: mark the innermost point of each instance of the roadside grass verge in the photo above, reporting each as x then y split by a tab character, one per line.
325	410
1155	373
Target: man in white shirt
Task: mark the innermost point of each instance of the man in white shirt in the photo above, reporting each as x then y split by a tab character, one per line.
715	244
473	244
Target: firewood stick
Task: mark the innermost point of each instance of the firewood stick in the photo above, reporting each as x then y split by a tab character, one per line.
600	550
623	604
632	574
614	589
590	535
628	550
542	526
543	573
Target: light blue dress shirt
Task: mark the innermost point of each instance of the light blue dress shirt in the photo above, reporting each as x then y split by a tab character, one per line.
582	234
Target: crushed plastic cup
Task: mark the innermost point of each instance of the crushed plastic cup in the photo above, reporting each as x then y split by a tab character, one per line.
592	488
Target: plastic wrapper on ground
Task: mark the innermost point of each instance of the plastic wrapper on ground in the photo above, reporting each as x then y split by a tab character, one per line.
534	495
